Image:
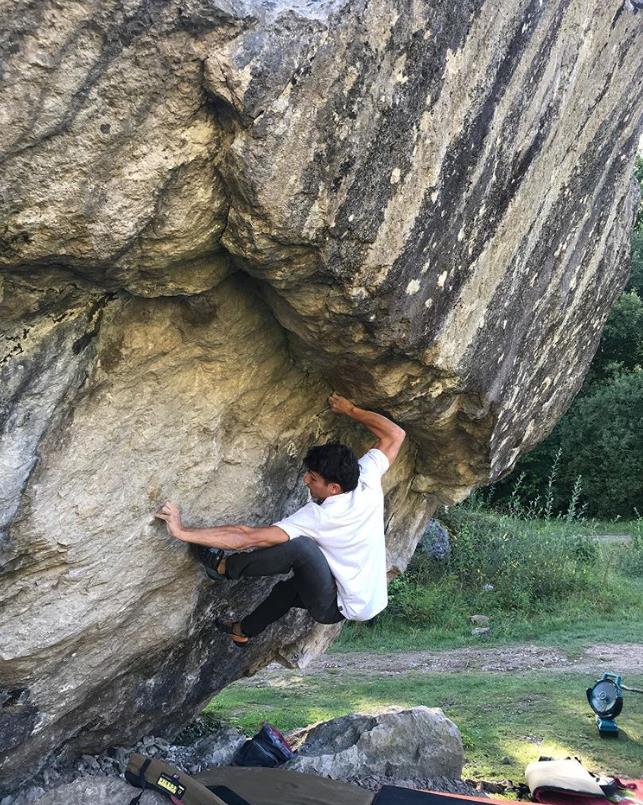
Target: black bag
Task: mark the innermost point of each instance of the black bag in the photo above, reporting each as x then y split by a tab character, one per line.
268	748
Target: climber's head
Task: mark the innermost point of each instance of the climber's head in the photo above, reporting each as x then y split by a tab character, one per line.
330	470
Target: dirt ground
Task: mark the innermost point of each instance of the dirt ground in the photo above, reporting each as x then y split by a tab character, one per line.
623	658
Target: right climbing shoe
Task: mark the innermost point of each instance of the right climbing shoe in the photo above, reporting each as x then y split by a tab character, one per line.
210	559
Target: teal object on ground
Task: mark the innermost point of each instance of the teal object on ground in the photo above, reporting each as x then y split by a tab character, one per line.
605	698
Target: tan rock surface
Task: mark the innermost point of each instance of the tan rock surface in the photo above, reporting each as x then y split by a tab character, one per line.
212	213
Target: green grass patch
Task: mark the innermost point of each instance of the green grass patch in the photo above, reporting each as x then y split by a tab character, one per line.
632	528
568	629
506	720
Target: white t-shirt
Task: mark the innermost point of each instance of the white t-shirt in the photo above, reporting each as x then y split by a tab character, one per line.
349	529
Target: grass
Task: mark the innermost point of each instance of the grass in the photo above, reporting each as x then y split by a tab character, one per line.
572	628
506	720
559	526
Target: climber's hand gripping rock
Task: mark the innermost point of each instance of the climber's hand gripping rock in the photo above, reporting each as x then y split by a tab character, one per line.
340	405
170	513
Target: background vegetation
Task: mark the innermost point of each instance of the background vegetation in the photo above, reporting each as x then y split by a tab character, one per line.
557	581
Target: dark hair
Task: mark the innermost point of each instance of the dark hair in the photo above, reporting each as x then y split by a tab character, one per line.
336	463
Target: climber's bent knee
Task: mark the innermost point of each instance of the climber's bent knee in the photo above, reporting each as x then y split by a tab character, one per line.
305	545
327	618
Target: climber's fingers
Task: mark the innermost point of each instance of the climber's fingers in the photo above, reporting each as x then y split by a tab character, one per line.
167	511
339	404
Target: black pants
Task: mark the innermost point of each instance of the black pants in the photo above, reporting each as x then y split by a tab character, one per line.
312	585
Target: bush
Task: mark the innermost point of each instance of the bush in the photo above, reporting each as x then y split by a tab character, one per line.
508	568
621	345
421	604
630	557
530	567
602	441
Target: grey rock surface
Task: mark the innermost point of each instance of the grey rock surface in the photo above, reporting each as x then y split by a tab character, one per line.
212	213
94	790
399	744
436	542
218	748
204	744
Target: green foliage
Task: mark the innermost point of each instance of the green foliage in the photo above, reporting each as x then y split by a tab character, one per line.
629	560
435	604
621	346
600	442
530	568
514	569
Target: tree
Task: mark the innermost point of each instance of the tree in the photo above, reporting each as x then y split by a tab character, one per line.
621	345
601	440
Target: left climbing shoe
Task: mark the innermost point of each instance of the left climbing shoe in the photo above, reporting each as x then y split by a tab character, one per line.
228	628
210	559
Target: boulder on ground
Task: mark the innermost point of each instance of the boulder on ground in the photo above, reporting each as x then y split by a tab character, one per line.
404	744
219	748
436	542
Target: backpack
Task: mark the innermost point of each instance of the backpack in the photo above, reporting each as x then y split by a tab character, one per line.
267	748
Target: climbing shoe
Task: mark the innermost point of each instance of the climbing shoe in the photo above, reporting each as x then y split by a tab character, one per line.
210	559
228	628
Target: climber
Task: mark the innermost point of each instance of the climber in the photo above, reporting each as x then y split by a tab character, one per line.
334	545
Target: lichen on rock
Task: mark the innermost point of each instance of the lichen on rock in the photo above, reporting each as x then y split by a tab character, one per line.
211	214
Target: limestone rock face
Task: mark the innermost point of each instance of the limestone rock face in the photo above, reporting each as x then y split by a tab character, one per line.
214	211
399	744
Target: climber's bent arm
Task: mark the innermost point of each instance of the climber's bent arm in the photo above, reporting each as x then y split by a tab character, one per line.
389	435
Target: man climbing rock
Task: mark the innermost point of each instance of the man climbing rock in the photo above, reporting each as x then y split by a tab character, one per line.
334	545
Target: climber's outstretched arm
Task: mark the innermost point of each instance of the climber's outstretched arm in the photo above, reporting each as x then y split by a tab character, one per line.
389	435
229	537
